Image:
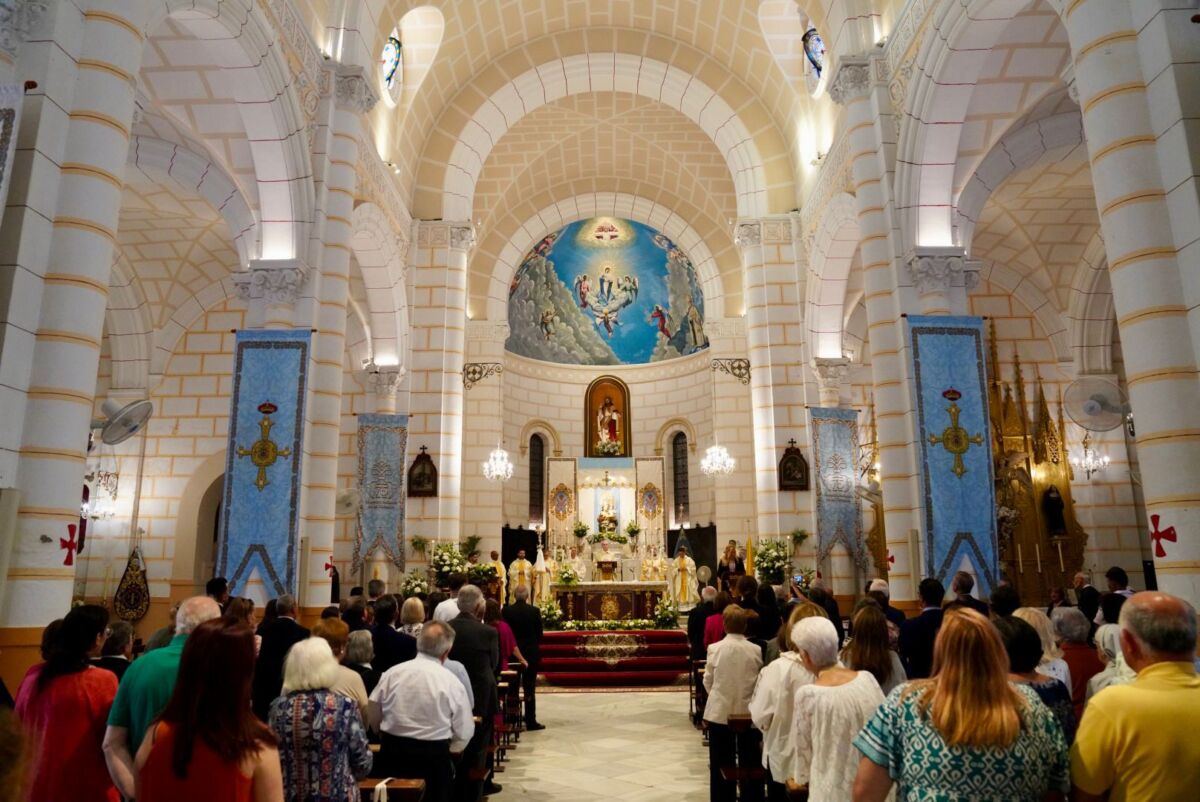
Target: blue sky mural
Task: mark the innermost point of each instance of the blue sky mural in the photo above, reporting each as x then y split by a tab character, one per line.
606	291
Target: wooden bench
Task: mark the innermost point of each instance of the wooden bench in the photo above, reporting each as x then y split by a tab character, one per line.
398	790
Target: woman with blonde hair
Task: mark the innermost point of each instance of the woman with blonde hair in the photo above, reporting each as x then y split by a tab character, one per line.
1001	741
412	616
1052	663
771	705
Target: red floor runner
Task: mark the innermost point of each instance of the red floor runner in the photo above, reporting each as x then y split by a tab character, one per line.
614	659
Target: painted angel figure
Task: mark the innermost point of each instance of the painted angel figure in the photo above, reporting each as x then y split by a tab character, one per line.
547	324
660	317
583	286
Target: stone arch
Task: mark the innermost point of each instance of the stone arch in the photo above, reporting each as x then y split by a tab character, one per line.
670	428
129	328
1090	313
615	204
380	252
187	313
360	343
187	522
276	103
544	427
496	111
1038	302
197	173
835	242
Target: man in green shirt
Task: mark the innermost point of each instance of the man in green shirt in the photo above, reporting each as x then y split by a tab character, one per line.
144	692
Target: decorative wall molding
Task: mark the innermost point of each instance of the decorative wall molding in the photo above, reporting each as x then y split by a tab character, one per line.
852	79
726	327
304	59
276	281
748	234
475	372
353	90
374	185
737	368
445	234
836	176
462	237
487	331
831	372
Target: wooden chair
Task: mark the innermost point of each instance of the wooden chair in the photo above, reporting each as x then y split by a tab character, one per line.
743	775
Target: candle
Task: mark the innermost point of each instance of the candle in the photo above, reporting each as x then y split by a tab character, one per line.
1020	560
1061	567
1037	548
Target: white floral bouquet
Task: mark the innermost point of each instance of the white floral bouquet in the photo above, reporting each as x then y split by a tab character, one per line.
666	613
611	537
447	559
608	448
567	575
413	584
552	617
613	625
773	561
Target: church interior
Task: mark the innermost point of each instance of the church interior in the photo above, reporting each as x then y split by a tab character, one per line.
309	293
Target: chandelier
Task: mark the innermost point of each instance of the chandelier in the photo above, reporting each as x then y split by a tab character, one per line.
1089	461
717	461
498	467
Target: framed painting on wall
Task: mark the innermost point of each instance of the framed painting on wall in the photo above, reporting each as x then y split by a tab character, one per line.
606	418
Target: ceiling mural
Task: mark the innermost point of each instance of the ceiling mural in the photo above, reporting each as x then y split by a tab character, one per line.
606	291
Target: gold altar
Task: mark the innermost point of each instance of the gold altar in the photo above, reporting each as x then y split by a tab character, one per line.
609	601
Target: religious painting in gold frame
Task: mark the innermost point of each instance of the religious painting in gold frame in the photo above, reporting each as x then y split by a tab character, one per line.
606	418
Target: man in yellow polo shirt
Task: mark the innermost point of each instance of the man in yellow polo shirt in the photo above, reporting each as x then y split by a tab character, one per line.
1138	741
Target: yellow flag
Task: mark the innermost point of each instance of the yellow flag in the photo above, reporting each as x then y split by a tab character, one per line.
749	556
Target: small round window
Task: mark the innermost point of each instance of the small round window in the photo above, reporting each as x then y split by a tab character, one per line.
814	53
391	67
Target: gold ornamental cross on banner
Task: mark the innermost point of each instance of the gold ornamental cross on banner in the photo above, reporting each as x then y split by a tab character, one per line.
263	453
955	438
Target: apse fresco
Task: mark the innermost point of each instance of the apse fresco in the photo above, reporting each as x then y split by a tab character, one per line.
606	291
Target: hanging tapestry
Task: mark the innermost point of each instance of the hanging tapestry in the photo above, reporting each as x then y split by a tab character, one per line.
953	437
835	455
11	96
381	443
259	528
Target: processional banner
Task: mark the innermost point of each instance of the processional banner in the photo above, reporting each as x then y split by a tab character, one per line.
954	440
835	460
260	525
382	440
562	502
649	501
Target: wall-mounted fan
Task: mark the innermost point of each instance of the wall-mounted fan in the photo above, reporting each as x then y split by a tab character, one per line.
1097	405
122	422
347	502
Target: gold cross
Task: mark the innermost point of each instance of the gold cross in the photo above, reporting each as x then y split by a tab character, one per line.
264	452
954	437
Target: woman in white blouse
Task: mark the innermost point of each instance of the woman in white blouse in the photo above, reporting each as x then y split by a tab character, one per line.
771	706
1053	664
828	714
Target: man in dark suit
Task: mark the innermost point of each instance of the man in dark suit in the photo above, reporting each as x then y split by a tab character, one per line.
525	620
278	637
391	647
696	620
477	647
961	586
918	634
1087	598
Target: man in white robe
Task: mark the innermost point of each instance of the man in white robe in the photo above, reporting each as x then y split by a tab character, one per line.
501	574
520	575
683	581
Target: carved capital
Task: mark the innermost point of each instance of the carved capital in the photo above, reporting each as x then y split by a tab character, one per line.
18	18
462	238
353	90
384	381
831	372
851	80
275	281
938	269
748	234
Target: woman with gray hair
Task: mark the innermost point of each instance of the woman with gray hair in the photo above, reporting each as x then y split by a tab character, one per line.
322	739
1116	670
828	713
1082	661
360	651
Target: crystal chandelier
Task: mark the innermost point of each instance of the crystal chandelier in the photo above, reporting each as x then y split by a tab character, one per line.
1089	461
717	461
498	467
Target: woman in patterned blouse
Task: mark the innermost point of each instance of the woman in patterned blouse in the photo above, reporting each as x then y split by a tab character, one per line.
965	733
1024	647
322	741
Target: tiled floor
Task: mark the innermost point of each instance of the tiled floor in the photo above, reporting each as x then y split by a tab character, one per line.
608	746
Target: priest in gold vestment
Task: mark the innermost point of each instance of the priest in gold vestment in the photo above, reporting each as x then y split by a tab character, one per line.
545	573
654	568
520	575
683	580
501	574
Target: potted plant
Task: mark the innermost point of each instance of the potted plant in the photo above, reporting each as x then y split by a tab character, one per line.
567	575
447	559
580	529
798	537
633	530
552	616
773	561
486	578
469	545
415	583
420	545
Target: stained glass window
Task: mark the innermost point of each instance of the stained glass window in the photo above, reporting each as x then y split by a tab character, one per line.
679	476
390	61
814	49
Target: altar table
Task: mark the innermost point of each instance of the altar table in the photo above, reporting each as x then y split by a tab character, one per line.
608	601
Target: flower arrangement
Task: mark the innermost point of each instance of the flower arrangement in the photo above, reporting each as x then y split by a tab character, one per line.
798	537
666	613
552	617
567	575
632	529
624	625
414	583
482	574
608	448
447	559
611	537
773	561
580	529
419	544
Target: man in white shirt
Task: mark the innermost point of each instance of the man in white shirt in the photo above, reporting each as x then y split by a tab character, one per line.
447	610
729	677
422	713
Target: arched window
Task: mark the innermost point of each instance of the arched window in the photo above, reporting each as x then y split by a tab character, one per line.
537	478
679	475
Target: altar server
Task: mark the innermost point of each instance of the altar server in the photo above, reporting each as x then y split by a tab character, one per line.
683	580
520	575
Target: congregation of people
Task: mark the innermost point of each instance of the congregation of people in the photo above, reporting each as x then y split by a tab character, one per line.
965	700
224	706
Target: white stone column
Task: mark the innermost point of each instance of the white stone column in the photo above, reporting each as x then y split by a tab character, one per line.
270	289
1148	227
942	278
383	383
485	425
831	379
96	84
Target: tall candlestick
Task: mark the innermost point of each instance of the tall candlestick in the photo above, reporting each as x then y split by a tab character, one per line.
1020	560
1038	549
1061	567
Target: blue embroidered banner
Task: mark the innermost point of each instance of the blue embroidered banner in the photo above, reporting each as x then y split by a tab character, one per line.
381	443
260	522
835	457
950	379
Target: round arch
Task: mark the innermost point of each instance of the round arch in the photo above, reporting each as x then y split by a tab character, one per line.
194	513
129	328
1091	314
670	428
380	251
835	242
540	426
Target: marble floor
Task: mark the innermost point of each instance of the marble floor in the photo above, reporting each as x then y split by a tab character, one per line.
608	746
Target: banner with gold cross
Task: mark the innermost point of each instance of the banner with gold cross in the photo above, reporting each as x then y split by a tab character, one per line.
260	518
950	380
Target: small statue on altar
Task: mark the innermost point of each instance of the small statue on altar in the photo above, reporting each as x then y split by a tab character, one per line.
520	575
545	573
501	575
606	521
654	567
683	580
1052	512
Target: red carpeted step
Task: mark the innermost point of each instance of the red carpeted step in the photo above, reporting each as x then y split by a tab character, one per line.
614	658
584	679
557	664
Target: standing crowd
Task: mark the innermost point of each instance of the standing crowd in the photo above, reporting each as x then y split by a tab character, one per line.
223	706
964	701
